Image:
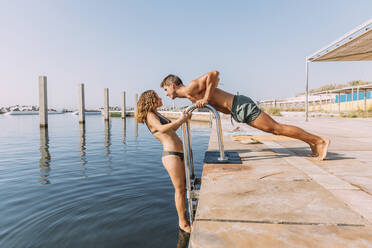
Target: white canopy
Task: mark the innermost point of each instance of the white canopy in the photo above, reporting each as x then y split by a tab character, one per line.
355	45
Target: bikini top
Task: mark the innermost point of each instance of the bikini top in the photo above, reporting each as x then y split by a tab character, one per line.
163	120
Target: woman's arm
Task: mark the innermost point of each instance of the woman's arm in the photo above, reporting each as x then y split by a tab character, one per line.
154	122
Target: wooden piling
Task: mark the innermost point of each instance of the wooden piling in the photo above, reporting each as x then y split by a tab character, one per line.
135	111
135	103
123	107
81	104
106	112
43	101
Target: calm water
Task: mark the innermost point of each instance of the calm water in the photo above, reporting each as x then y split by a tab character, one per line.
98	187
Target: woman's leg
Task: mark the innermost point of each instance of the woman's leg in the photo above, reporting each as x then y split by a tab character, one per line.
176	170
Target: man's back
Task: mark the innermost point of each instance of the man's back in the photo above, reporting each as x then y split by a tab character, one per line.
219	99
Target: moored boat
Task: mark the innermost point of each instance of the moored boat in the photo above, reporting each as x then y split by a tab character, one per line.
31	112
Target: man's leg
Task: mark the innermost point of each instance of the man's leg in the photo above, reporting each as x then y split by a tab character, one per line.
319	146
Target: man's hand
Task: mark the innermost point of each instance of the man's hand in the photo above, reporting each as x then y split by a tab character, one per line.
201	103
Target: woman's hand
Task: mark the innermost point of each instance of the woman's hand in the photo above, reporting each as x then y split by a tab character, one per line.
185	116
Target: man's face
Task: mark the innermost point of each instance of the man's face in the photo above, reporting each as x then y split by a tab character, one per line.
170	90
159	101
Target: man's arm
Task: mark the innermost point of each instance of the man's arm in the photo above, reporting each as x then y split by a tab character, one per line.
209	82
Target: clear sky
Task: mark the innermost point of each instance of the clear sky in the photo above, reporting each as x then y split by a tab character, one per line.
259	47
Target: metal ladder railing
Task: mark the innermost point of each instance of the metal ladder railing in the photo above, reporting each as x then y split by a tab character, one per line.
191	180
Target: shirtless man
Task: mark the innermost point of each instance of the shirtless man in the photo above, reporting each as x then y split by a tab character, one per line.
203	90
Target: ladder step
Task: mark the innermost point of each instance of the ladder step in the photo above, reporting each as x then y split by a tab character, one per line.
197	181
194	194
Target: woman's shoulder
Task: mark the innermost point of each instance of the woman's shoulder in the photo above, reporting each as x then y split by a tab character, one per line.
151	116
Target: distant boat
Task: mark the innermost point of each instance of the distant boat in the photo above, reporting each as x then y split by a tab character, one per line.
89	112
31	112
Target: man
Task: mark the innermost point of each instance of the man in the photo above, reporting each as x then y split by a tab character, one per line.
203	90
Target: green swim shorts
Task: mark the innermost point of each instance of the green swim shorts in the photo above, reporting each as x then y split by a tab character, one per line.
244	109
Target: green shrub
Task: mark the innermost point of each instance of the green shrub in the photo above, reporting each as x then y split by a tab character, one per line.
354	114
115	114
273	111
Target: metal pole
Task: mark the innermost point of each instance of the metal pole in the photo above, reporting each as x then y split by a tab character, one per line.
106	111
339	102
365	101
358	98
352	98
81	104
185	135
123	107
43	101
191	156
307	91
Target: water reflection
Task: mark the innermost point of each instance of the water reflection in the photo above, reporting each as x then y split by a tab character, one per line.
107	137
123	129
135	128
82	143
44	156
107	144
183	239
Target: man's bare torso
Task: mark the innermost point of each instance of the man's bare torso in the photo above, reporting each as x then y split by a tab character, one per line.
220	99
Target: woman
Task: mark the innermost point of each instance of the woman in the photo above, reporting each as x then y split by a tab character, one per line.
165	131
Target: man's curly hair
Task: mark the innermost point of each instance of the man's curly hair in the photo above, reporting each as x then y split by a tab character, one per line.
146	103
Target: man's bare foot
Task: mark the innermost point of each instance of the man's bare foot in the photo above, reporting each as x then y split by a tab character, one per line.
314	152
322	149
185	227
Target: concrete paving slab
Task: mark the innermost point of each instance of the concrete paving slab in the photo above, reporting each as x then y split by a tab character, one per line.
363	183
279	196
226	235
273	201
359	201
252	171
331	182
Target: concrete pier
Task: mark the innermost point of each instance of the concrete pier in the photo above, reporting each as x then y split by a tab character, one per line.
106	114
123	106
280	197
43	101
81	104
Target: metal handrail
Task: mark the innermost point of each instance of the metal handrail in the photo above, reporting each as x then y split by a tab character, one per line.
218	126
188	156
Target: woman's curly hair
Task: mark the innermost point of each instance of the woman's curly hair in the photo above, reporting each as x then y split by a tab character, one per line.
146	103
